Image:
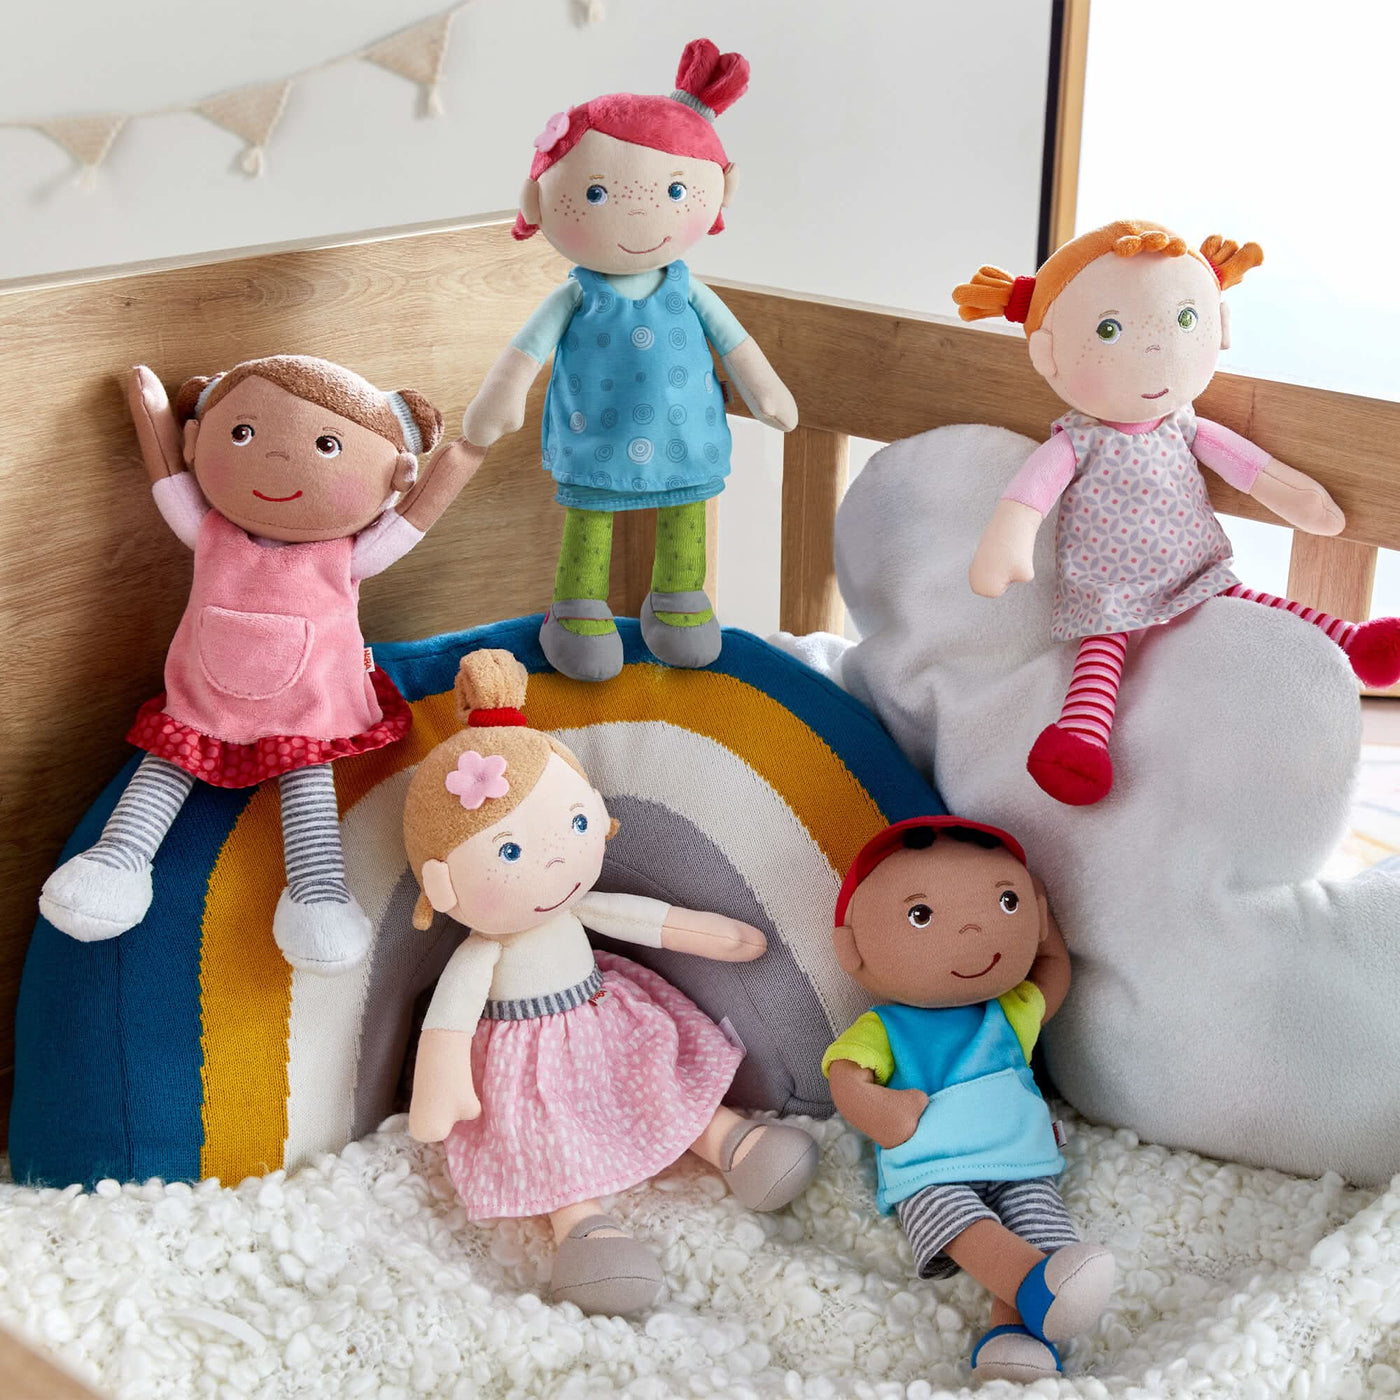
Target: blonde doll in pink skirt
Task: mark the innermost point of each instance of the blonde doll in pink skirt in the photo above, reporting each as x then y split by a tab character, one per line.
557	1075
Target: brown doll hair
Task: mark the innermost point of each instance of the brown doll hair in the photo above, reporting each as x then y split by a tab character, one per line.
490	693
993	292
340	390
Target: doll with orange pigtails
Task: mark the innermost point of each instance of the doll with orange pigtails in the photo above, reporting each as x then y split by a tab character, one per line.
1126	323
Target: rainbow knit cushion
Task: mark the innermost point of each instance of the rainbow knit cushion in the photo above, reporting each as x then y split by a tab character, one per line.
188	1048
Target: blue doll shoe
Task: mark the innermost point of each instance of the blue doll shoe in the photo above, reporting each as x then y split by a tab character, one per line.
1066	1292
1011	1353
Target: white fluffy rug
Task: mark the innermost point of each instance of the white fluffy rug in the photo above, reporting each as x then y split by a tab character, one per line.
358	1276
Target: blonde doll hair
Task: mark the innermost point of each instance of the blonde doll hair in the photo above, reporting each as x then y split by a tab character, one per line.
490	693
993	292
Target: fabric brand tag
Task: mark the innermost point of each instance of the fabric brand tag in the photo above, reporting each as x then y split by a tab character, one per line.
369	659
726	1027
1061	1137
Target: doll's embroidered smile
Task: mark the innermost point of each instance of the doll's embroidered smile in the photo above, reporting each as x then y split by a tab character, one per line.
973	976
261	497
1157	395
546	908
640	251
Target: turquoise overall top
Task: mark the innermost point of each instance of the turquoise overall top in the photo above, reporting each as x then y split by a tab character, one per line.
985	1119
634	418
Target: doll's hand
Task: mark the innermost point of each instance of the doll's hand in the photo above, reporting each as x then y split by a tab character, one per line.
712	936
1006	551
156	429
451	467
1298	499
443	1093
499	406
768	398
897	1117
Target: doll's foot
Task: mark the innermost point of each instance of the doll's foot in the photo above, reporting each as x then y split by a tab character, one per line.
326	939
681	629
1071	767
767	1165
89	900
600	1271
1066	1292
1374	652
595	656
1011	1353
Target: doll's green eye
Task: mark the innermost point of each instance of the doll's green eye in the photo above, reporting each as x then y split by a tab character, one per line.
920	915
242	434
1186	318
580	823
509	852
676	191
1010	901
596	194
1109	330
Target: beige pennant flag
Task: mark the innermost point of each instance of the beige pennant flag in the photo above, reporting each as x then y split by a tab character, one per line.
251	113
86	139
418	54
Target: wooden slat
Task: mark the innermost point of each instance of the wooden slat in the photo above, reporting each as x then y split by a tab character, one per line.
25	1375
815	468
1334	575
1069	121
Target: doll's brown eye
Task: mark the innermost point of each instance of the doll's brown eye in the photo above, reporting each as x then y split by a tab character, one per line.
1010	901
920	915
242	434
327	445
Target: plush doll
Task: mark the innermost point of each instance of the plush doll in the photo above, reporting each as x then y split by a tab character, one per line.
941	921
281	476
1126	324
554	1074
634	420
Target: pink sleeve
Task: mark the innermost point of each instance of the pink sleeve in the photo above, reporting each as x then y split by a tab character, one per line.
1233	458
181	504
381	544
1048	470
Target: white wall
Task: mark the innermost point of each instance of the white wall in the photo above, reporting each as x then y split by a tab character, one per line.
887	147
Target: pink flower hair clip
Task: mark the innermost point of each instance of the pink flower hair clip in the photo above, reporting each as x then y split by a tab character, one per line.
553	133
476	778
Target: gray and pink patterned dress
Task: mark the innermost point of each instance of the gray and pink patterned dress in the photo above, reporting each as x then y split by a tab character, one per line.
1137	542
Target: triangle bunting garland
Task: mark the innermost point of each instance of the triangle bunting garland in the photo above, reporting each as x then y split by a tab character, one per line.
86	139
417	54
251	113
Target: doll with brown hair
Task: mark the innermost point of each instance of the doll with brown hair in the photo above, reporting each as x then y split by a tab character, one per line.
291	479
1126	323
941	921
557	1075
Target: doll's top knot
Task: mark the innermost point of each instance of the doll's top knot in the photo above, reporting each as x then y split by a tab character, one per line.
708	81
490	690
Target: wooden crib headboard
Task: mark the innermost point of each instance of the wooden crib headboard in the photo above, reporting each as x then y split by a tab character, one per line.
92	584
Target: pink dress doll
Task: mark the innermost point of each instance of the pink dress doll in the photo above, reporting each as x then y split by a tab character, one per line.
282	476
634	418
1126	324
555	1075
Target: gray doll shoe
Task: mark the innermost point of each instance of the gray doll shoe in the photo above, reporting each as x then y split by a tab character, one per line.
777	1168
609	1274
580	658
680	646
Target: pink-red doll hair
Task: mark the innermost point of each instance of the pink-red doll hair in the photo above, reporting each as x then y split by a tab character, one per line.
714	80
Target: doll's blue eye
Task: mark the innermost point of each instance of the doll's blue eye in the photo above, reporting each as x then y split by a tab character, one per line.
1186	318
596	194
509	852
676	191
242	434
580	823
1109	330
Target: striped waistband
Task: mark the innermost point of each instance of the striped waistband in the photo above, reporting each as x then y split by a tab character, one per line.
551	1004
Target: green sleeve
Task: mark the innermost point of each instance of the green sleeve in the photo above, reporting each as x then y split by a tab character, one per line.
1025	1010
867	1045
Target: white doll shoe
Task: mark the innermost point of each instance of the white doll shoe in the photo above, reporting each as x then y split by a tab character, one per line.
1011	1353
91	901
326	939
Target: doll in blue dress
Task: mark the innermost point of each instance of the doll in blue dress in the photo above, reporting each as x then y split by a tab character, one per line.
634	417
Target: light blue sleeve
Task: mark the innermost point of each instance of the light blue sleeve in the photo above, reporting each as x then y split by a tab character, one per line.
722	328
545	329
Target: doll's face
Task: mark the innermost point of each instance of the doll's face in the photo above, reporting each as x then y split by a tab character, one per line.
279	466
1130	339
614	207
538	859
946	926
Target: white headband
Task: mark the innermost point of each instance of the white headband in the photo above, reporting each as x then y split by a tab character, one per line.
413	439
204	395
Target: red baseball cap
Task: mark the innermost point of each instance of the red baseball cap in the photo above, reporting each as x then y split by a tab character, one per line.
891	839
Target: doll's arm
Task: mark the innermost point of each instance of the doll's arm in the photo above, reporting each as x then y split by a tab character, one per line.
654	924
1006	551
156	428
499	405
1050	971
443	1092
858	1065
1290	494
767	397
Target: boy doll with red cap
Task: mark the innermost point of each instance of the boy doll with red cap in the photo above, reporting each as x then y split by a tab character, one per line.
941	920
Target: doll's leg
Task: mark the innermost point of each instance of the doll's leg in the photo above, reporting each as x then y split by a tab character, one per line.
1373	647
599	1267
107	889
1070	758
678	624
766	1165
578	634
318	925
